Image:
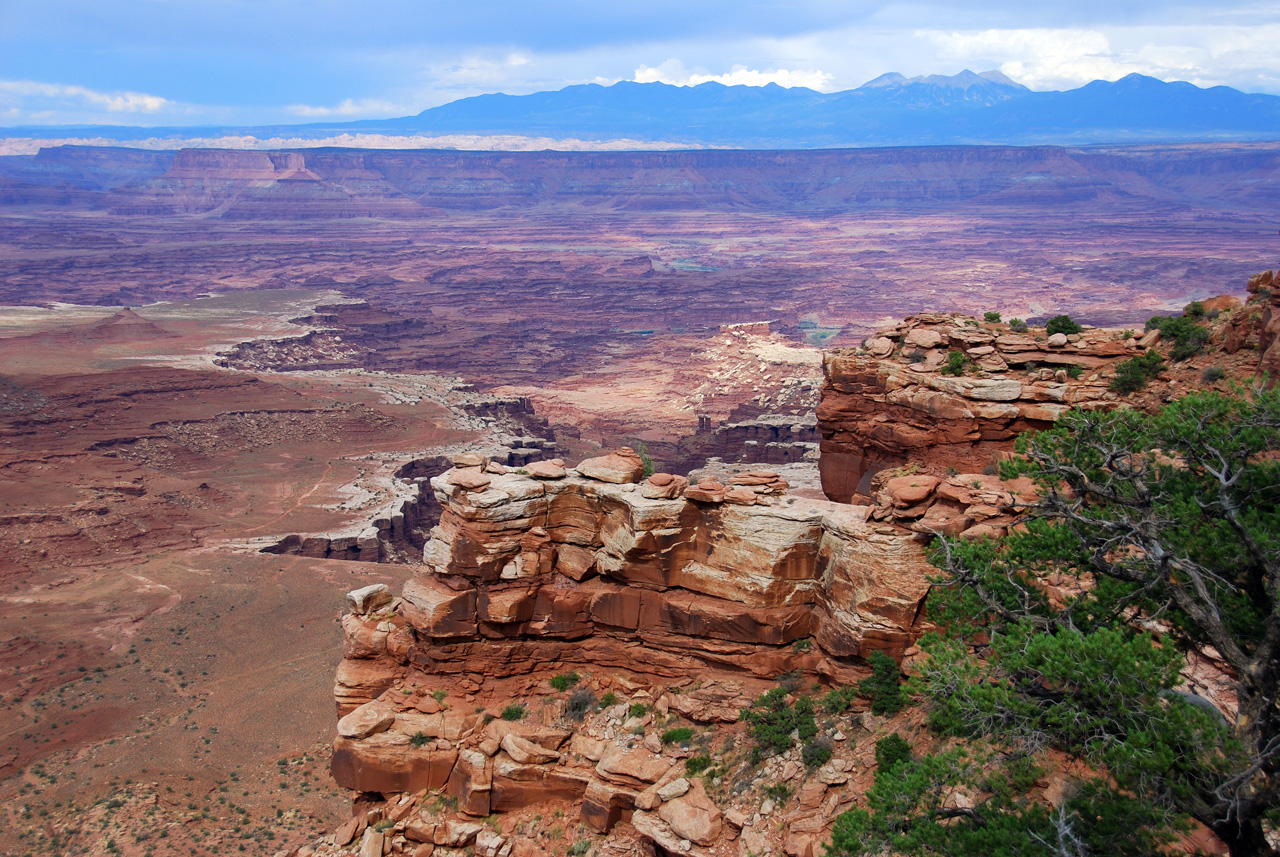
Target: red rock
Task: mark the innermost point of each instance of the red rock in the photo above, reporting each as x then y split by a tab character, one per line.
620	466
385	765
526	752
740	497
634	769
909	490
603	804
693	815
667	487
706	494
437	611
470	479
368	719
545	470
471	783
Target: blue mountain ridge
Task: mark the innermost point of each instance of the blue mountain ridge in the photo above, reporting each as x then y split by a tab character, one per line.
892	110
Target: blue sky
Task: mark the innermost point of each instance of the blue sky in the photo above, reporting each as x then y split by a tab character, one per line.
181	62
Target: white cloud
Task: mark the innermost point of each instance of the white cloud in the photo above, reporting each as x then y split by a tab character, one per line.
114	102
349	107
673	72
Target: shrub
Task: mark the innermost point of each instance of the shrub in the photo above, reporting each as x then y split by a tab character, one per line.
1188	337
514	711
419	739
1074	372
1195	309
695	765
777	792
1212	375
579	848
802	646
956	364
891	750
439	695
881	687
772	721
642	449
1017	325
564	681
678	735
638	709
580	702
993	317
838	699
916	356
609	700
817	751
1133	374
790	681
1061	324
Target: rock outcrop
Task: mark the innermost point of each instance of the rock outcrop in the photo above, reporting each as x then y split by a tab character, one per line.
889	403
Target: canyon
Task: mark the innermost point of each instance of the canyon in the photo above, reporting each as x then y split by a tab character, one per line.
238	385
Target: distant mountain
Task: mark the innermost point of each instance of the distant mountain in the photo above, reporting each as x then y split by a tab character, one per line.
892	110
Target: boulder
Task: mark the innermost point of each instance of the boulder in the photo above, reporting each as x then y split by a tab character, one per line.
923	337
619	467
545	470
693	815
634	769
368	719
366	599
663	486
879	346
469	478
526	752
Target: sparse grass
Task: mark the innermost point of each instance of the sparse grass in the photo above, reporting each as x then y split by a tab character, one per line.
514	711
564	681
678	735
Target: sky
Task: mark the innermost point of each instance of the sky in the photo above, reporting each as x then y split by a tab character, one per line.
235	62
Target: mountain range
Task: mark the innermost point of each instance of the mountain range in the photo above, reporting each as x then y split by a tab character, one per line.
892	110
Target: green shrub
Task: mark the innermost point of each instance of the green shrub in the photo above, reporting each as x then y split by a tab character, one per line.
638	709
1017	325
642	449
1212	375
992	317
772	721
881	687
695	765
838	699
564	681
777	792
891	750
609	699
439	695
514	711
579	848
419	739
580	702
678	735
956	364
817	751
1074	372
802	646
1133	374
1061	324
1195	309
1187	336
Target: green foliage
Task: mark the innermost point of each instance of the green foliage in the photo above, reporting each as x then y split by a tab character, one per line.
419	739
772	720
439	695
564	681
817	751
956	364
678	735
838	699
580	702
1133	374
802	646
1061	324
1195	309
642	449
882	687
891	750
1074	371
695	765
1017	325
1188	337
579	848
609	699
514	711
1189	534
928	806
777	792
1212	375
638	709
990	316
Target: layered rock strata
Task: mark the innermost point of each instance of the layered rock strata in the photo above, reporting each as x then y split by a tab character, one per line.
889	402
550	568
